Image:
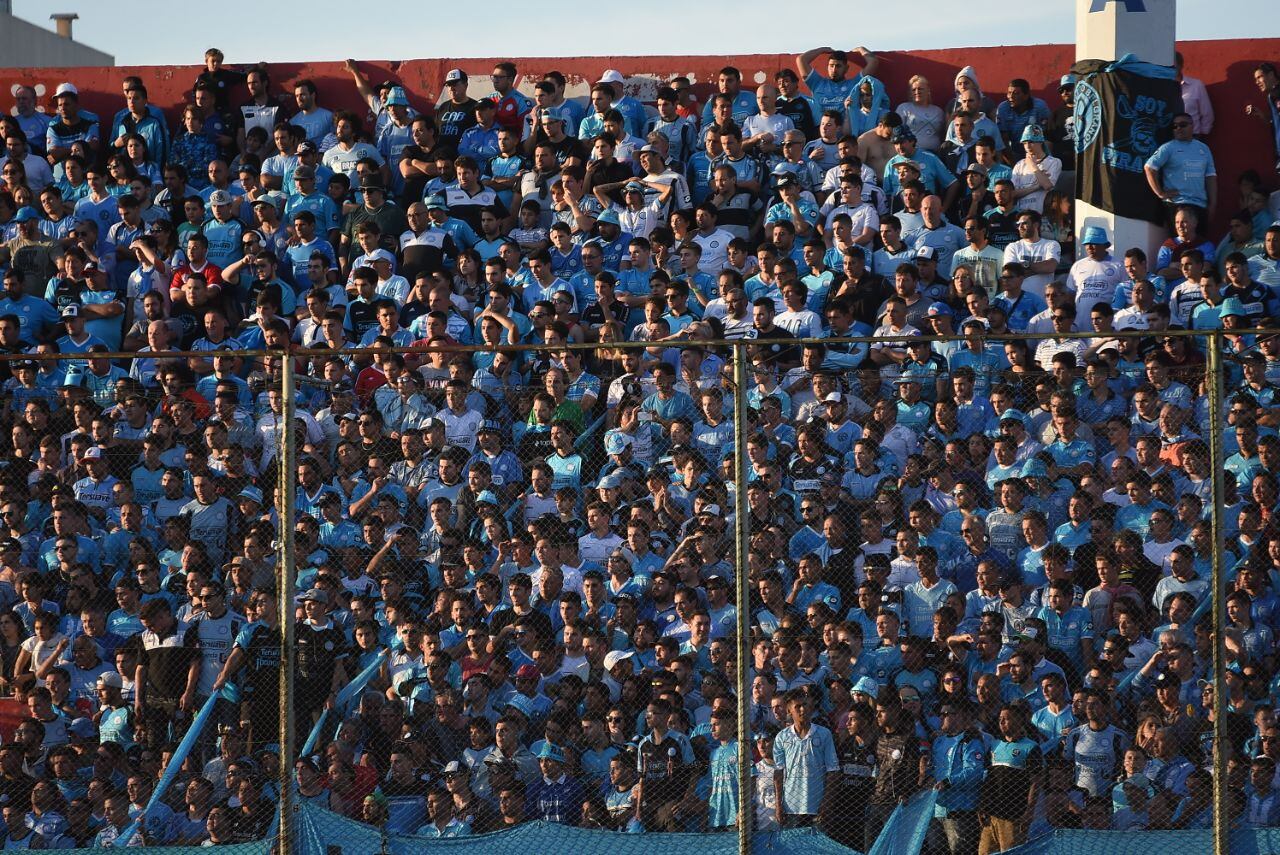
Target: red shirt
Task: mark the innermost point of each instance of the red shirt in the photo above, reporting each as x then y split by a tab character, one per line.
367	381
212	274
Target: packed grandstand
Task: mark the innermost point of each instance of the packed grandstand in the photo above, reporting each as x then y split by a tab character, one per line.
979	460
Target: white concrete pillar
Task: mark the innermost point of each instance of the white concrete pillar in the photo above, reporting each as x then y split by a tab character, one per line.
1107	30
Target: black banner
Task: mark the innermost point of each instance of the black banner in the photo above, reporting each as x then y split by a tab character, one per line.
1121	116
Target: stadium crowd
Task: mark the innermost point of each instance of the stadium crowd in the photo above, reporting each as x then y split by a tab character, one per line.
977	565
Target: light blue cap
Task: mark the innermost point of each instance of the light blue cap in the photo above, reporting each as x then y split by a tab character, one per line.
550	751
1232	307
1095	235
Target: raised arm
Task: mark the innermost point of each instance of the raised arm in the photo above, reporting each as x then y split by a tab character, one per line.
870	62
804	62
361	81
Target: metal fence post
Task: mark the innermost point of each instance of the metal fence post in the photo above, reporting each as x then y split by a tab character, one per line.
742	533
285	579
1221	746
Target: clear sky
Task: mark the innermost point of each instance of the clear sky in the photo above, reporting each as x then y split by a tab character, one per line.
151	32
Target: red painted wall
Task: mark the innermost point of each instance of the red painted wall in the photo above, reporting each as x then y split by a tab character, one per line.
1225	66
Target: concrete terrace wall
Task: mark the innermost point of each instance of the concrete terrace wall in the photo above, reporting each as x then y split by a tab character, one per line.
1225	66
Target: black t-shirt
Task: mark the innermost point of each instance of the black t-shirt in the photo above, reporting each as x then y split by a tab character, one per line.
17	790
427	251
66	292
857	769
785	354
414	187
167	660
866	295
567	148
252	823
534	445
318	650
537	621
1002	227
221	82
362	316
661	769
260	677
452	120
593	315
800	114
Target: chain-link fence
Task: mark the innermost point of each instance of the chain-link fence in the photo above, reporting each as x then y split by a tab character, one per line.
557	583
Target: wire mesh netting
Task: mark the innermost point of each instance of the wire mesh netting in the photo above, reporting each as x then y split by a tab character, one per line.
523	606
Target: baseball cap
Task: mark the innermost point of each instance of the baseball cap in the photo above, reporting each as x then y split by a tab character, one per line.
1012	415
397	98
304	171
436	202
1035	468
611	75
1033	133
380	255
315	595
908	377
526	671
612	481
634	187
254	494
903	134
490	426
307	147
1067	81
866	686
550	751
613	657
25	214
455	75
927	252
71	311
110	679
609	216
82	728
219	197
486	497
940	309
372	182
976	169
66	89
787	180
93	452
617	442
647	149
521	704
